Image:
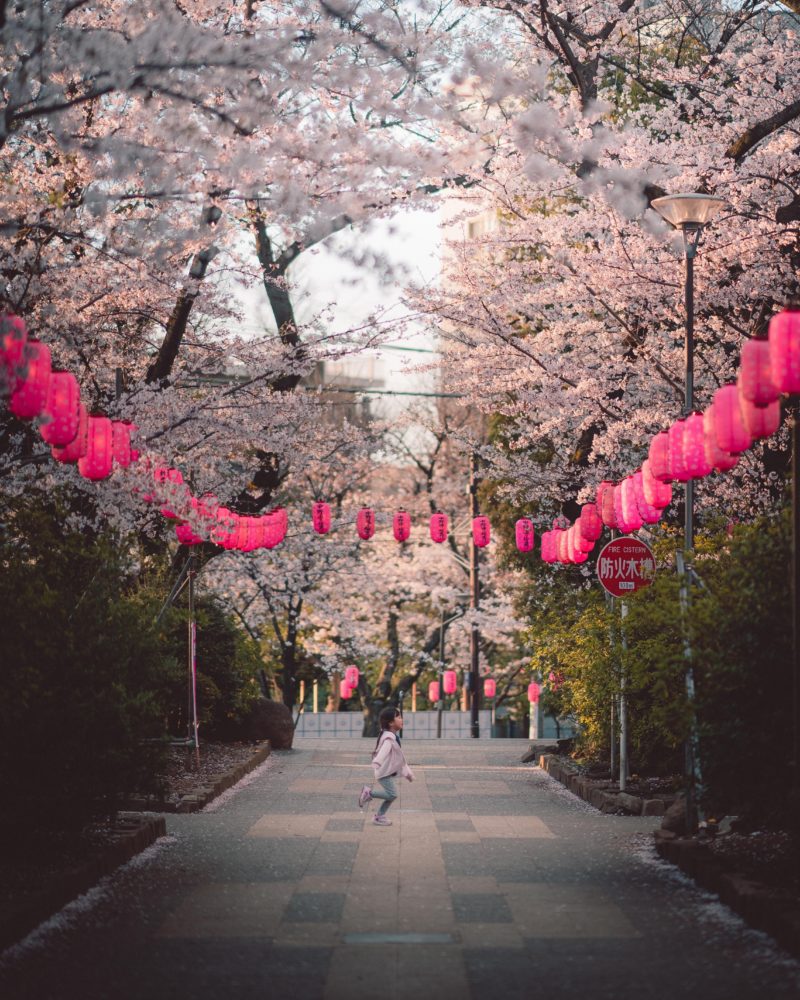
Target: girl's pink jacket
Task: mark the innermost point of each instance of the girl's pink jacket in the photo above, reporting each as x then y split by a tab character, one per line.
390	759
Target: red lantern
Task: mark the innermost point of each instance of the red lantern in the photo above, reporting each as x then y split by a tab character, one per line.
755	374
13	338
121	442
401	525
590	522
438	527
345	691
761	421
481	531
365	523
534	690
605	505
575	545
224	527
186	535
524	534
489	688
605	485
562	545
98	460
77	447
630	509
450	682
351	675
656	493
321	517
33	378
784	350
729	426
658	457
61	416
677	463
172	483
433	691
277	524
694	447
718	459
648	513
549	554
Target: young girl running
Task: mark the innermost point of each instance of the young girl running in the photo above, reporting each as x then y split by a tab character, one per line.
388	762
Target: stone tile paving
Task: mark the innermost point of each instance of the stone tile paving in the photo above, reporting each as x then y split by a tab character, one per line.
492	881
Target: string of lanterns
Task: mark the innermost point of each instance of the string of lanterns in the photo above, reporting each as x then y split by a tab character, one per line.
694	446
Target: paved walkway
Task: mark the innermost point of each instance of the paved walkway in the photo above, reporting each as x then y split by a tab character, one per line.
493	882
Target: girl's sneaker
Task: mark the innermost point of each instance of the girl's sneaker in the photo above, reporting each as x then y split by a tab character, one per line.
365	796
380	820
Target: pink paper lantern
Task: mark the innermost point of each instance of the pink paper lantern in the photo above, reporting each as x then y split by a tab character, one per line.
450	681
632	519
534	691
438	527
718	459
401	525
694	447
489	687
524	534
656	493
481	531
590	521
648	513
321	517
345	691
277	526
729	427
365	523
351	675
658	457
98	461
61	416
186	535
549	553
784	350
755	374
33	379
562	545
761	421
677	463
121	442
77	447
171	481
13	338
433	691
606	506
223	530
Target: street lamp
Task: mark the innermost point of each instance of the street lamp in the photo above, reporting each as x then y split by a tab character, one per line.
690	213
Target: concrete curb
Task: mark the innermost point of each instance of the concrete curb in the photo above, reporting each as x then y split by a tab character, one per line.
133	834
771	910
135	831
203	794
598	793
766	909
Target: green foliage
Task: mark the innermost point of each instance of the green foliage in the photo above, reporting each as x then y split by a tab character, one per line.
84	673
743	636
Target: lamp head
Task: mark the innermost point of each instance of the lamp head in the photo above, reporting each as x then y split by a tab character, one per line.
690	213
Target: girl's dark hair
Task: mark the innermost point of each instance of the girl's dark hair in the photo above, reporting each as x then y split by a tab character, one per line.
386	718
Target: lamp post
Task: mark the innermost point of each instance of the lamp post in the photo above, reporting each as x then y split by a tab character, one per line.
690	213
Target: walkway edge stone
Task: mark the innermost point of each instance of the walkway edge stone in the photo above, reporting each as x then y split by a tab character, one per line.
134	833
763	908
199	797
137	829
766	909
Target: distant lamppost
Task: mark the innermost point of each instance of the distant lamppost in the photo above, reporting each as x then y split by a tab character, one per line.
690	213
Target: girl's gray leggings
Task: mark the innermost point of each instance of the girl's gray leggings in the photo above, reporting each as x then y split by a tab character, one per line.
389	793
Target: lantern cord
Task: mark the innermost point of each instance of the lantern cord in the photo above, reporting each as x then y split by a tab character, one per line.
180	583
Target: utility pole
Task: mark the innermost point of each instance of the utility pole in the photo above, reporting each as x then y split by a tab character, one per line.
475	602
